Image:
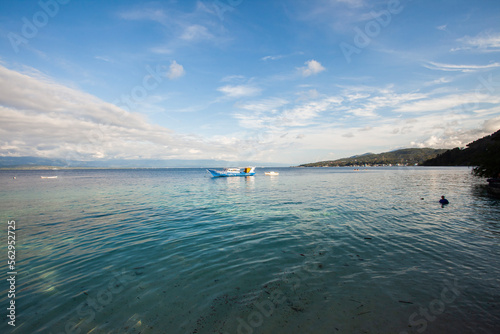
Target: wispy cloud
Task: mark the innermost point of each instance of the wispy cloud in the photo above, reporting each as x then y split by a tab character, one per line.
233	78
455	134
276	57
57	122
438	81
182	27
103	58
151	14
447	102
161	50
237	91
196	32
459	68
369	102
273	113
487	41
281	56
352	3
270	105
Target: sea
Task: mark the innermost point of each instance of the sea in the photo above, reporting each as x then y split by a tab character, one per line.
312	250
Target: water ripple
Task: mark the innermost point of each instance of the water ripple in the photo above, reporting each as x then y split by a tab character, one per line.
197	254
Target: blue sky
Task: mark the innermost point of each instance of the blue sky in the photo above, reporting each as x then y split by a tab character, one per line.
269	81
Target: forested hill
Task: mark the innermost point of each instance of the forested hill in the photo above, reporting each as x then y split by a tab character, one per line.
482	152
407	156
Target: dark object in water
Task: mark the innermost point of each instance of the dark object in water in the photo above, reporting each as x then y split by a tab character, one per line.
405	302
443	200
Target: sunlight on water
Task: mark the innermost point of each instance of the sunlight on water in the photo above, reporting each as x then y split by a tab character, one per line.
321	250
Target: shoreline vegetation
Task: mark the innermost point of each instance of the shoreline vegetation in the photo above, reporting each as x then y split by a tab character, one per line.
402	157
482	154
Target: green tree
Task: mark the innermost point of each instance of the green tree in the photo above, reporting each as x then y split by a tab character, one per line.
488	161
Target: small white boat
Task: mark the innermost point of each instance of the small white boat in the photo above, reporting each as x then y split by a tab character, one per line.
48	177
272	173
247	171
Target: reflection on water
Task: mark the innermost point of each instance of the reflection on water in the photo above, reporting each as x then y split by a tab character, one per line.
309	251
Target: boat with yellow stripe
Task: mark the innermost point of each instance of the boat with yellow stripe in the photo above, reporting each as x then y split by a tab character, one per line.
227	172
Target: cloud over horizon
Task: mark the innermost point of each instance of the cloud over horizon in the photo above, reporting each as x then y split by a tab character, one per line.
42	118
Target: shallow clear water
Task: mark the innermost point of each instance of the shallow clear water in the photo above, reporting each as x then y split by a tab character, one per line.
322	250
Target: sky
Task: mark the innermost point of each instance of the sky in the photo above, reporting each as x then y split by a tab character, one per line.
270	81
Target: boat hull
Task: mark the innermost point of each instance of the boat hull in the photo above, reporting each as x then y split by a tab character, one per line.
216	173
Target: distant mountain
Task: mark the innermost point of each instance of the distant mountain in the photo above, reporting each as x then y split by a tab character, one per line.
407	156
35	162
360	155
30	161
483	153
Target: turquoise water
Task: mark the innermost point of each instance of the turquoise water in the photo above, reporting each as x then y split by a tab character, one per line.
323	250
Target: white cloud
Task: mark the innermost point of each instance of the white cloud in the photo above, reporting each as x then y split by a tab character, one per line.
459	68
369	102
470	101
103	58
272	57
271	114
271	105
308	95
306	113
181	27
486	41
40	117
233	78
239	90
175	71
312	67
363	112
306	128
196	32
455	134
442	80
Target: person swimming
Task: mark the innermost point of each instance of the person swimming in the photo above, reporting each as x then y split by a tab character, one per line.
443	200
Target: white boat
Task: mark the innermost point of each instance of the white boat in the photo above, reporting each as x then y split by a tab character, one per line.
48	177
272	173
247	171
